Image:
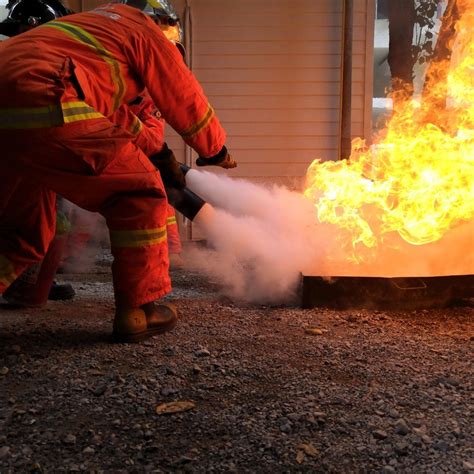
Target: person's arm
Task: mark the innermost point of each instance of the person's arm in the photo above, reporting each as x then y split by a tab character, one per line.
150	139
151	135
175	90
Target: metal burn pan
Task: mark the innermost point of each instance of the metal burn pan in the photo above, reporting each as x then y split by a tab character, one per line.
406	293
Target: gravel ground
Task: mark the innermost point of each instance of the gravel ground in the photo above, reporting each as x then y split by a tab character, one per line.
365	391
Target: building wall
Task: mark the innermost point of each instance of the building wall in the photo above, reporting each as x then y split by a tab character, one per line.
272	70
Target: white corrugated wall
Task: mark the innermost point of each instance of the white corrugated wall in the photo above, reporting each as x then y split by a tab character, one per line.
272	71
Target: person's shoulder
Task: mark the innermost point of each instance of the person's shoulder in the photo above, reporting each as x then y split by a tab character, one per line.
115	11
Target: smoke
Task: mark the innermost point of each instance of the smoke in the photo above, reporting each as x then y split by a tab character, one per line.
261	239
86	239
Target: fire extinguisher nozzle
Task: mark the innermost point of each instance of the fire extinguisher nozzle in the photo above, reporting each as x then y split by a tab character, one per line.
184	168
185	201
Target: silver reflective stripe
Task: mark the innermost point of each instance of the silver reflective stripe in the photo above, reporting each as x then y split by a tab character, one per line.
31	117
75	111
46	116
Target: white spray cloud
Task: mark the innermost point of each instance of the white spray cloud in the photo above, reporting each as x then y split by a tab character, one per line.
88	231
261	238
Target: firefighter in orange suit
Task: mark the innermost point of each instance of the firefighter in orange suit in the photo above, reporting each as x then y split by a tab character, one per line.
60	84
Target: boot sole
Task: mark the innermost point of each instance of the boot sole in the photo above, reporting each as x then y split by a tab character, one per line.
142	336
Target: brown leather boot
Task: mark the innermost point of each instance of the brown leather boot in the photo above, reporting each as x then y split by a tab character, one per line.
130	325
160	318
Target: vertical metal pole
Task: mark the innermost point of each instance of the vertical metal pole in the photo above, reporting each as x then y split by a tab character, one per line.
188	43
346	79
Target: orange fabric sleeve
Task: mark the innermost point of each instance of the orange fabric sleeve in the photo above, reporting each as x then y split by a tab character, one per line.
150	138
144	122
175	90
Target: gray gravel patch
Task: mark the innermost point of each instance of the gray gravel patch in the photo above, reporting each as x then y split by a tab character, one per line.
372	391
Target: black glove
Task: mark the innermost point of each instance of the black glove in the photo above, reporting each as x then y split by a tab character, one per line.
169	168
222	159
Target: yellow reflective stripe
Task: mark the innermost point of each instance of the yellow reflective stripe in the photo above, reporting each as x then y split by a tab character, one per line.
137	238
86	38
7	271
203	123
75	111
47	116
30	117
136	127
171	220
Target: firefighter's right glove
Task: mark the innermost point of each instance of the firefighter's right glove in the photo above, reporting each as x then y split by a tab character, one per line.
222	159
169	168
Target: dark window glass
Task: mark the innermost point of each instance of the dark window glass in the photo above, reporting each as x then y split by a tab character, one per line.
382	9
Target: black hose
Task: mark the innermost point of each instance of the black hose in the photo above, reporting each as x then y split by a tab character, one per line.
185	201
184	168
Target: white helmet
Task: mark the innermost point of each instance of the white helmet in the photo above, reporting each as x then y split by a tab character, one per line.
165	17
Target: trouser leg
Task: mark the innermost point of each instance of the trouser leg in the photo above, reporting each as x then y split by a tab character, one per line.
27	224
137	226
174	242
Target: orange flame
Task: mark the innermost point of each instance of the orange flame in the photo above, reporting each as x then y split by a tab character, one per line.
417	180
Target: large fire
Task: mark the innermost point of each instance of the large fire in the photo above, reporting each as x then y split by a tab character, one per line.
417	180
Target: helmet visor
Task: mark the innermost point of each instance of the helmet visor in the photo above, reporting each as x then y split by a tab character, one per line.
170	28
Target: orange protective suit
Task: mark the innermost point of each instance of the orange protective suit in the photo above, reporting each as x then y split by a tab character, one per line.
56	106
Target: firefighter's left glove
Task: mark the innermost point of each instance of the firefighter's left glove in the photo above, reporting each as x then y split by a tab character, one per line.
222	159
169	168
